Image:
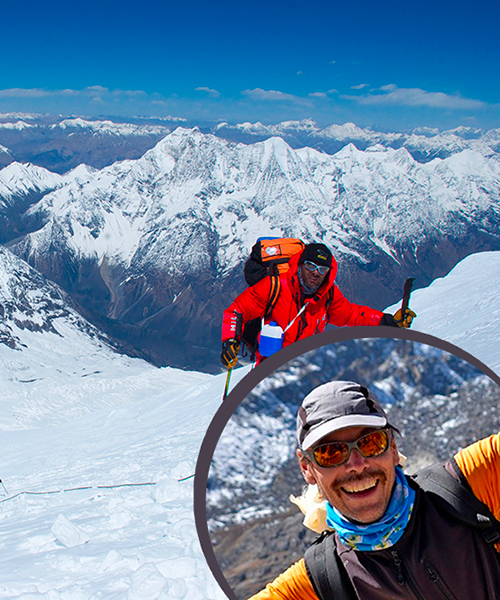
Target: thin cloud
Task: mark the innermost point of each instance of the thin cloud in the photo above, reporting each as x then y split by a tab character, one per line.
359	87
273	95
416	97
212	93
318	95
24	93
93	91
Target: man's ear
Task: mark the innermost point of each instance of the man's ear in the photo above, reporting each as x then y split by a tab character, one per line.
306	468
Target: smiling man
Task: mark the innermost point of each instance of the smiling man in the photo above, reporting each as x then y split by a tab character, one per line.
385	536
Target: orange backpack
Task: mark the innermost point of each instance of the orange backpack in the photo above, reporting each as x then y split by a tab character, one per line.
269	257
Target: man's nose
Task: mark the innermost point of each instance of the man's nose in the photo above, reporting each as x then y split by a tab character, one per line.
355	461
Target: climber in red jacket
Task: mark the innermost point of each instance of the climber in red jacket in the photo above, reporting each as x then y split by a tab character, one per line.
307	300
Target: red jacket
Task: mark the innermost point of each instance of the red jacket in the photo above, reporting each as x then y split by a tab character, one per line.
322	308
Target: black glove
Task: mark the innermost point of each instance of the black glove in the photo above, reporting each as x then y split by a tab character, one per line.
388	320
229	354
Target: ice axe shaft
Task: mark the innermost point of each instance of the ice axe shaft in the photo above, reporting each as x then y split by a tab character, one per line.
406	294
228	379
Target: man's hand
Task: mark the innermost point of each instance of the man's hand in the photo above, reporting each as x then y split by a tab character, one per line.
396	321
229	354
407	320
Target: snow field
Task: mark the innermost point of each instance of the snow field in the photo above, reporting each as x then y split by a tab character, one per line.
463	308
93	507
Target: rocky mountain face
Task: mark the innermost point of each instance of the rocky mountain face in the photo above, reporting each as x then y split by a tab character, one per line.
31	304
153	248
439	402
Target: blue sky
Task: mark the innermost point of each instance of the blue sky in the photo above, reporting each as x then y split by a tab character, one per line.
387	64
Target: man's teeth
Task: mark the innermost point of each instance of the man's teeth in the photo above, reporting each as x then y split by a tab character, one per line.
360	486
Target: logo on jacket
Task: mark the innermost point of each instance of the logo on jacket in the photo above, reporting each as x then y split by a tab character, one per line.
272	250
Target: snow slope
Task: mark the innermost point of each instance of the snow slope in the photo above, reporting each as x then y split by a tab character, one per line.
106	515
93	446
464	307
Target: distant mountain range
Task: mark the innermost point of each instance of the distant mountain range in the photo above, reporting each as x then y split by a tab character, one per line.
62	143
151	248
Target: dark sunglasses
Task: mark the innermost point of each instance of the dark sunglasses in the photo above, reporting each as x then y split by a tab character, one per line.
334	454
310	266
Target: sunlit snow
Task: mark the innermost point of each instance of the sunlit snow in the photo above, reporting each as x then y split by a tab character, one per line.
95	505
464	307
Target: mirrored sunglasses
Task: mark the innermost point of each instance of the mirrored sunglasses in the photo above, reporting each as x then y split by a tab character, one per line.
310	266
334	454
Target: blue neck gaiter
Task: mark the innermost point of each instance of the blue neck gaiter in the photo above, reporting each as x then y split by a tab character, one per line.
385	532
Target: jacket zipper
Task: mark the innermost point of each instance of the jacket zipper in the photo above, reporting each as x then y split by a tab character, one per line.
437	580
399	567
400	575
298	302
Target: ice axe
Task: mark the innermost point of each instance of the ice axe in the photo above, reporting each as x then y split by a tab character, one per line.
406	298
228	379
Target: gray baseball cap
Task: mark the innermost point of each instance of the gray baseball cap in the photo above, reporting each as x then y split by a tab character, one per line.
333	406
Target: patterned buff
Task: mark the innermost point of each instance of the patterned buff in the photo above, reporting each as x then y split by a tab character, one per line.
383	533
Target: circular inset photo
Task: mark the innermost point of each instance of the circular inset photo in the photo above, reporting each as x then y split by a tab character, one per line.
355	464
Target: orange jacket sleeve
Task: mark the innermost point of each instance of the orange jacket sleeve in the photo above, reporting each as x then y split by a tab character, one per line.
292	584
480	463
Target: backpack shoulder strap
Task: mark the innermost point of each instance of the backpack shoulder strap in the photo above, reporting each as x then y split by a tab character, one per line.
326	571
455	496
274	292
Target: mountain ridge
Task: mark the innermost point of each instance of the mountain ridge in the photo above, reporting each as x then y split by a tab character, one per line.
158	243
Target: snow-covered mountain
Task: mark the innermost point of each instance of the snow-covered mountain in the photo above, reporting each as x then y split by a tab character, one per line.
97	504
157	244
61	143
424	144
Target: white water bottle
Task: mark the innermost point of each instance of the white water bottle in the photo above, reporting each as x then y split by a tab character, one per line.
271	339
